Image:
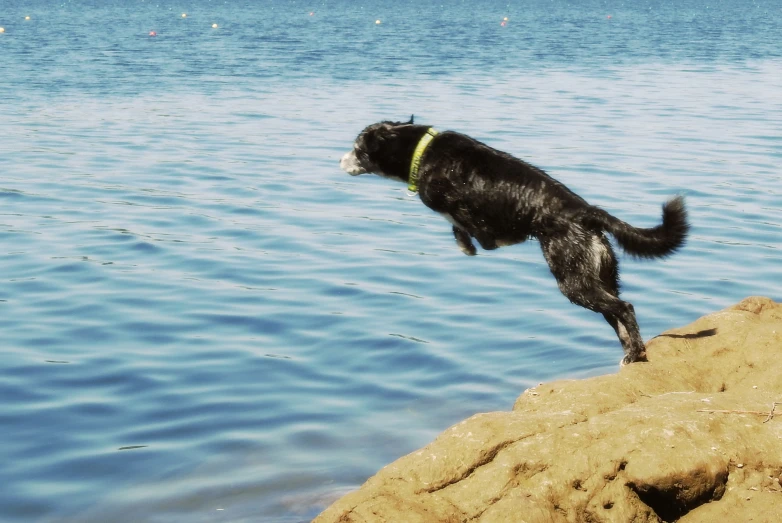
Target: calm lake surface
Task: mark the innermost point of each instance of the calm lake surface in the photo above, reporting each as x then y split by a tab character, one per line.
204	319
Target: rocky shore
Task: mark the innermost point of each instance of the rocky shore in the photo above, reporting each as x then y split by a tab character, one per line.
695	435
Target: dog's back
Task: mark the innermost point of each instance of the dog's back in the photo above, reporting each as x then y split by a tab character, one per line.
483	189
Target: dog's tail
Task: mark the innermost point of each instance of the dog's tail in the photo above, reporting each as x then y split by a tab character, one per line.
654	242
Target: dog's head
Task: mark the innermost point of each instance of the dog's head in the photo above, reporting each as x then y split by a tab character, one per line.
382	148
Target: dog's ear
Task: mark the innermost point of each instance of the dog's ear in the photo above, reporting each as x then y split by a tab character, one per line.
412	116
375	137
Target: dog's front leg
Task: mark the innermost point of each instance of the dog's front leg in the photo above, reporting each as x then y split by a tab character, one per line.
464	241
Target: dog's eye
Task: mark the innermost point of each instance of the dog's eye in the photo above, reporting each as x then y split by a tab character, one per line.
372	143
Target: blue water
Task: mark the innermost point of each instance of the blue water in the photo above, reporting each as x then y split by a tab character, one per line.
203	319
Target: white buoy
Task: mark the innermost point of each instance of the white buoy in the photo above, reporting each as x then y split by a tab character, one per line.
214	26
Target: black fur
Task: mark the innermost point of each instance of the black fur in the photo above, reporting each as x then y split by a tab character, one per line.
499	200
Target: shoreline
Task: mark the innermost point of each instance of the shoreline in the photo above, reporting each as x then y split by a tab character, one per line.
693	435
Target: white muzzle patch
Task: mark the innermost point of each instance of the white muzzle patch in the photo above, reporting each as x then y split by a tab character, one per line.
350	164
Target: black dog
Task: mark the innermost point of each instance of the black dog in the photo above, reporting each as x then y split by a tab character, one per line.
500	200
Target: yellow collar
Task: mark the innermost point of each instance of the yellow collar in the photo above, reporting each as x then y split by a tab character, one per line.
416	162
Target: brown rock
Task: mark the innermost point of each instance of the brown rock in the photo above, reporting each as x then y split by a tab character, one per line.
686	437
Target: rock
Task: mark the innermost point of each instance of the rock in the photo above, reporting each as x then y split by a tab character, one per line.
686	437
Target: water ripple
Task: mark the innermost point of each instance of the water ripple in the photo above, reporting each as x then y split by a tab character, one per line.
204	319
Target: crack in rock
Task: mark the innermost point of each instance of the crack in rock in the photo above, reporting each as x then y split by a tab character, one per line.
672	498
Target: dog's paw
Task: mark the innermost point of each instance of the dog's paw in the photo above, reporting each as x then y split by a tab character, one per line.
640	358
463	241
469	250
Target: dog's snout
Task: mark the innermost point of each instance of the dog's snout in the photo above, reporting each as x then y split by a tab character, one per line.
350	164
343	162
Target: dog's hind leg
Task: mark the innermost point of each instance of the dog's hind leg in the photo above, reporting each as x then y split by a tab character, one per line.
626	329
586	271
464	241
632	344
